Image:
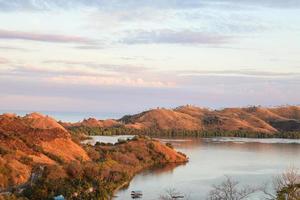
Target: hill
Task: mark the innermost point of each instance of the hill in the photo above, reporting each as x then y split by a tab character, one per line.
191	118
39	160
32	140
92	122
252	119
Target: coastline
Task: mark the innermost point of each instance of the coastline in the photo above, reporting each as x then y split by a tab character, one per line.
127	183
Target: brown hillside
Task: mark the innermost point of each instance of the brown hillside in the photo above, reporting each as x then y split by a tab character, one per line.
166	119
289	112
240	119
253	119
30	140
92	122
265	114
193	111
37	120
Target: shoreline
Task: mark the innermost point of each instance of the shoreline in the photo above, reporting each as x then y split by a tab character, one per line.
127	183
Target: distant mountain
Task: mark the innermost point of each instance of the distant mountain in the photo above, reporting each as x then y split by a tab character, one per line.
32	140
252	119
92	122
256	119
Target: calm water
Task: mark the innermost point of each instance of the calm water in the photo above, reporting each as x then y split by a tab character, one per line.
249	161
107	139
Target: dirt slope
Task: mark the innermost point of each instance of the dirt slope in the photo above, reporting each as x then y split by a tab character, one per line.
30	140
167	119
256	119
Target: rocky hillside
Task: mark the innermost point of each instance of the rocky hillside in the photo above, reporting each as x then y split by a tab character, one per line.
253	119
32	140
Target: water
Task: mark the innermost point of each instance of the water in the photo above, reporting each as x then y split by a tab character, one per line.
249	161
107	139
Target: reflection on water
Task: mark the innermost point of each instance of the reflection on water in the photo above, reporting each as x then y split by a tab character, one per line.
250	161
163	169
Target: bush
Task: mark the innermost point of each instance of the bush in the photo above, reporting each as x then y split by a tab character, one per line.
54	157
74	169
170	145
93	154
151	145
26	160
4	151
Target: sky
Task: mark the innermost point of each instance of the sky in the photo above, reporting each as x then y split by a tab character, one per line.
125	56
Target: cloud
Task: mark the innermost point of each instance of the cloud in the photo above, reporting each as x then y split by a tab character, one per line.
207	91
110	81
14	48
132	69
136	4
3	60
20	35
174	37
97	75
238	73
90	47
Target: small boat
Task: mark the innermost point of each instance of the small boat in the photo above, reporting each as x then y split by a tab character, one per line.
136	194
177	197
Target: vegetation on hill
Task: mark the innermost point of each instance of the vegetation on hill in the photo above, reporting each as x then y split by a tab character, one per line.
91	131
110	167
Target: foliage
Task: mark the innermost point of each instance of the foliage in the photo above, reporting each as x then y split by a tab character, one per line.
4	150
170	145
230	190
285	185
11	197
26	160
121	130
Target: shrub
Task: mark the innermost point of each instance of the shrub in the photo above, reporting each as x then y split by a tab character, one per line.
3	151
170	145
26	160
54	157
93	154
151	145
74	169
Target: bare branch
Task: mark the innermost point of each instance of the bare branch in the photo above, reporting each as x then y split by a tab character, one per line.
285	185
230	190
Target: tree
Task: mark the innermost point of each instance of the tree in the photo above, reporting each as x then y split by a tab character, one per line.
284	186
230	190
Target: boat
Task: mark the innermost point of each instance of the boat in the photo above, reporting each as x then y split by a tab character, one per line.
177	197
136	194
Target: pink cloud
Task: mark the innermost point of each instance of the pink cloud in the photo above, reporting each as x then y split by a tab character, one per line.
20	35
3	60
110	81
